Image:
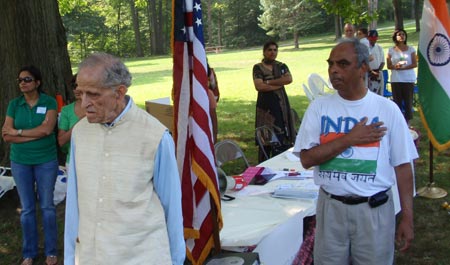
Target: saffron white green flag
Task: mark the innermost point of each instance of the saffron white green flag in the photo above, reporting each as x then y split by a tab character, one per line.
434	72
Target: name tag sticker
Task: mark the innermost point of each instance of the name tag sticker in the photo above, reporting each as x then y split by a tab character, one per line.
41	110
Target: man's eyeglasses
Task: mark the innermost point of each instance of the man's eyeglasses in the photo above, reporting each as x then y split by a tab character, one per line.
26	79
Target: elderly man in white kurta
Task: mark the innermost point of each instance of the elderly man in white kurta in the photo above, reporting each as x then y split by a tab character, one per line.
124	195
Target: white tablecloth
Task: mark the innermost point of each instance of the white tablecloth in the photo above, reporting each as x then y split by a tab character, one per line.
256	218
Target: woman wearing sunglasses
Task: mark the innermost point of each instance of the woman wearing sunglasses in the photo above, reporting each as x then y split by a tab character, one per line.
29	127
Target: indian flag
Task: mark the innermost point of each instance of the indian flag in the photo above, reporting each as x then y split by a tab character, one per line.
360	159
434	72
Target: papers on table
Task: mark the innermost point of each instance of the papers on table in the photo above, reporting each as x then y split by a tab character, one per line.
294	175
283	187
297	190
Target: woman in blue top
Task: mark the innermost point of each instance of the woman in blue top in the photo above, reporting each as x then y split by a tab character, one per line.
29	127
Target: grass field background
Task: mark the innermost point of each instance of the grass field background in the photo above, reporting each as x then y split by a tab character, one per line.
152	78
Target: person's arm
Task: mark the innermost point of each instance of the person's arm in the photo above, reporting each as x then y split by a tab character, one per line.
64	136
265	86
359	134
12	135
71	219
413	62
166	180
390	66
285	79
262	85
213	113
405	230
64	129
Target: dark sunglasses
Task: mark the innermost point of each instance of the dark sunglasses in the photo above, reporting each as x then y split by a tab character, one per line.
25	79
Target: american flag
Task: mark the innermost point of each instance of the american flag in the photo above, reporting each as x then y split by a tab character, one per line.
193	133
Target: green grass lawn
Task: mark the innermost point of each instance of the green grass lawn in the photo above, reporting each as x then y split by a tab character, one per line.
152	78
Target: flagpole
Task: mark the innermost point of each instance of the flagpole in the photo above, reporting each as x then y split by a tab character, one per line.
216	230
430	191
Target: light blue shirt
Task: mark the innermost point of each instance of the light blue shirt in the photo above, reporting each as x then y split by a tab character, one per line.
166	182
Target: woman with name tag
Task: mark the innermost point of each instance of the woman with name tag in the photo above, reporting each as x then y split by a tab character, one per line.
29	127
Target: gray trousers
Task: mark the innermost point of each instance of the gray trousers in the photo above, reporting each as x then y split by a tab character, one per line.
354	233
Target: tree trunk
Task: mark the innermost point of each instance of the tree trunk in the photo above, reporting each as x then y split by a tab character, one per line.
119	52
152	21
417	14
373	7
209	26
296	45
398	16
159	29
219	28
337	27
32	33
136	29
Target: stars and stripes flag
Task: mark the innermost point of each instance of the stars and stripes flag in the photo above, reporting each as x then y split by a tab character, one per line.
193	133
433	74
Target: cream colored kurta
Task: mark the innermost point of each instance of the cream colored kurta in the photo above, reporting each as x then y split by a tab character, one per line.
121	220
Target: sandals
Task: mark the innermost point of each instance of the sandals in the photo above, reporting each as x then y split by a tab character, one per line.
51	260
27	261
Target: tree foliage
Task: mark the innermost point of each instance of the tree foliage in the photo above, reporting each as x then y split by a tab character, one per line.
86	30
241	25
143	27
289	18
353	11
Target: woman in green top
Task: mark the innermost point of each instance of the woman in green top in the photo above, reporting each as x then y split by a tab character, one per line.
29	127
70	115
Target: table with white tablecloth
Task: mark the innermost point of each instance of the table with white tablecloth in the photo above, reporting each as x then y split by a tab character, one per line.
273	225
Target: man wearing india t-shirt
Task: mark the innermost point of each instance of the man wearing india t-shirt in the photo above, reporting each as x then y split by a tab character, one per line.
359	145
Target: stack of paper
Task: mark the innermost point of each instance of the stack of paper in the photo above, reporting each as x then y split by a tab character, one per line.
297	190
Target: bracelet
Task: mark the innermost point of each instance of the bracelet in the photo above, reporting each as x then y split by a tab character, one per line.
19	132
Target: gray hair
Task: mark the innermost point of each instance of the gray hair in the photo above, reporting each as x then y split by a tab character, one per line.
115	72
361	50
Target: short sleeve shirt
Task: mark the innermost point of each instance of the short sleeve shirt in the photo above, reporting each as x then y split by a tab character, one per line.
37	151
67	120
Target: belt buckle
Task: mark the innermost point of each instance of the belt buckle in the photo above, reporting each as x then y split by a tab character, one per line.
353	200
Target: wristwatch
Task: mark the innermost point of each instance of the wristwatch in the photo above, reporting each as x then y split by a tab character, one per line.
19	132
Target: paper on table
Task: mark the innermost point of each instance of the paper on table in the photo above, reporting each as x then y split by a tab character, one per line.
299	189
294	175
251	190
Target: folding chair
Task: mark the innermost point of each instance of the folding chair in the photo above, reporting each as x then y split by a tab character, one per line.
229	152
317	85
267	140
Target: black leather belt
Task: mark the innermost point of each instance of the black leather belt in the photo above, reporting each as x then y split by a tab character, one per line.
351	199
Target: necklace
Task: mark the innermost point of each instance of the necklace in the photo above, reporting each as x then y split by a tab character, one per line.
32	103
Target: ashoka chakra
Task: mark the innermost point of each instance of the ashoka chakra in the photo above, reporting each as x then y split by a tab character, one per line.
438	51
